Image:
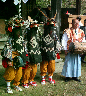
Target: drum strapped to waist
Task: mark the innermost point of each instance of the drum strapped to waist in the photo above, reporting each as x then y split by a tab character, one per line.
17	60
77	47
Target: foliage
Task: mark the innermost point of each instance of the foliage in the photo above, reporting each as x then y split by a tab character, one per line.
65	4
43	3
72	4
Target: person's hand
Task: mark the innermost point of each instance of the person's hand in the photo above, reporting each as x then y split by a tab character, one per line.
9	63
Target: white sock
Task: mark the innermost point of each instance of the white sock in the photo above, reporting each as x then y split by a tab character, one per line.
8	84
50	77
31	82
42	77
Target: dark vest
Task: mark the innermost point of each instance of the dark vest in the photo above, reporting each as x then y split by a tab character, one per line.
48	43
33	46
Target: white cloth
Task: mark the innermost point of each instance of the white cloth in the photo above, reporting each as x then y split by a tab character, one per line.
80	24
24	1
64	41
16	2
3	0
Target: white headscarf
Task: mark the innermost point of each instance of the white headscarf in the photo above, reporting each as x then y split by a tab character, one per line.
3	0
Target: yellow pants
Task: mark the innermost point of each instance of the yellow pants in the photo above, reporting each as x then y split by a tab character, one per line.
13	74
49	67
29	73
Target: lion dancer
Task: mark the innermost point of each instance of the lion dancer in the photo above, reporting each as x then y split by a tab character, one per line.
34	55
49	51
11	56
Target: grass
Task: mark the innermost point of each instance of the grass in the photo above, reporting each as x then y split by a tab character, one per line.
61	88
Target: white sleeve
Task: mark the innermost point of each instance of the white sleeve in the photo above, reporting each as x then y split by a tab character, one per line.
84	40
64	41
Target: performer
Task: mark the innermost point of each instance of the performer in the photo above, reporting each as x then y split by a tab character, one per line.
84	29
12	53
49	50
72	64
34	56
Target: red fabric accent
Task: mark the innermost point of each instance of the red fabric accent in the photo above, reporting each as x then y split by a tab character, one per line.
48	23
42	80
51	80
25	85
23	23
25	67
26	54
58	56
67	12
10	29
32	83
31	26
4	63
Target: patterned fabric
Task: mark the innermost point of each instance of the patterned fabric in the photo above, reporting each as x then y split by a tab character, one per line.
72	35
15	43
7	50
49	43
18	44
33	46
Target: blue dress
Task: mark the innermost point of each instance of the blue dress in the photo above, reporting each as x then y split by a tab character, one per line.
72	65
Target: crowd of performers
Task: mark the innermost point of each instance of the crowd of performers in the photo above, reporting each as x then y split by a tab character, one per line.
26	47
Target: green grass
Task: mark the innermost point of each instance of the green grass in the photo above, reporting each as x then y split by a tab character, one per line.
61	88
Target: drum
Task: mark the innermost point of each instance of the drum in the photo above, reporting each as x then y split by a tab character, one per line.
18	62
77	47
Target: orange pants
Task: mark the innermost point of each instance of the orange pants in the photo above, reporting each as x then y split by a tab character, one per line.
49	67
29	73
13	74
